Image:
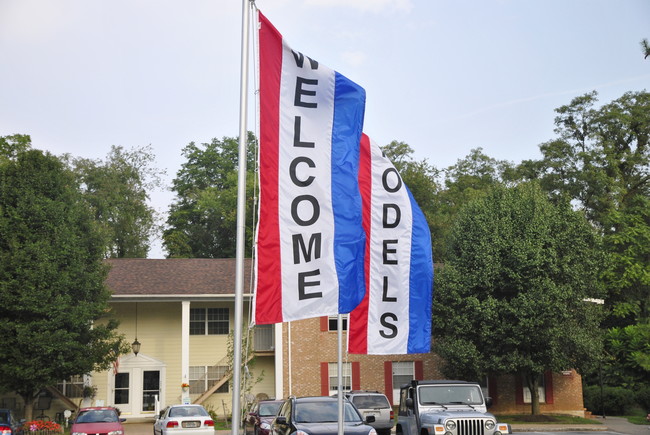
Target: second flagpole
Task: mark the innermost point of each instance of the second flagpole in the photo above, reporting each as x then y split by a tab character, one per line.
241	221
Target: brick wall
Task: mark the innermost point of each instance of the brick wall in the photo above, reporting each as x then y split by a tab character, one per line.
312	344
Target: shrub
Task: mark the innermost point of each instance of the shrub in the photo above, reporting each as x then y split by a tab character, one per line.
642	397
615	400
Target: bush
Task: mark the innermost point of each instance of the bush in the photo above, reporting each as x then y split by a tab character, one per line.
615	400
642	396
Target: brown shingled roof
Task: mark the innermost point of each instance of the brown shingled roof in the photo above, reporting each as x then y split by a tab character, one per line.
174	276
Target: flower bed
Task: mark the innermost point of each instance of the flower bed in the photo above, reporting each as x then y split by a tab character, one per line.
40	427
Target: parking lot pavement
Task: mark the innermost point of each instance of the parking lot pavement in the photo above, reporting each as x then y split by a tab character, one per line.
614	424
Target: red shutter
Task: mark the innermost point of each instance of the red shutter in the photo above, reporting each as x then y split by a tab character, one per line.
419	370
388	380
492	389
519	390
548	387
324	379
324	323
356	375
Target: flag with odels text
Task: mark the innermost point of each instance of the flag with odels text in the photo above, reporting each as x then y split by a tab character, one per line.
395	314
310	238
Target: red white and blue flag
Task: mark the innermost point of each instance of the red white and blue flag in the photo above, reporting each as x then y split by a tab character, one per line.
395	314
310	238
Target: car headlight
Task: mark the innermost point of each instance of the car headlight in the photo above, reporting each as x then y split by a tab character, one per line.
450	425
78	433
265	426
489	424
302	432
116	432
372	431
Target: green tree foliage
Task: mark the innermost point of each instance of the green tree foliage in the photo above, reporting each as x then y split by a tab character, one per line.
472	177
202	219
116	190
510	297
53	301
601	161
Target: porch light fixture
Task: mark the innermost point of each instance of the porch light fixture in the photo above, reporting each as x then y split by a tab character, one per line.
135	346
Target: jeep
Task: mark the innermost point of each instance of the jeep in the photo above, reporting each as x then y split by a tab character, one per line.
446	408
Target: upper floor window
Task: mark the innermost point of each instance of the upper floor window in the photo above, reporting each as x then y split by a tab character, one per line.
209	321
332	323
72	387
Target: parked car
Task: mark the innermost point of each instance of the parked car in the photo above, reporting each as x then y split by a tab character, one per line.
259	418
9	425
376	404
97	420
319	416
184	420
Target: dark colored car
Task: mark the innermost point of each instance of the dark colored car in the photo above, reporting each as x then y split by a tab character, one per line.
261	415
9	425
97	420
319	416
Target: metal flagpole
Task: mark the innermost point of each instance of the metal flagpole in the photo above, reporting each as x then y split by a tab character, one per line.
339	369
241	221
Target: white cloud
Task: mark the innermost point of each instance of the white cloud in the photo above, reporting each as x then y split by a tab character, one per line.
367	5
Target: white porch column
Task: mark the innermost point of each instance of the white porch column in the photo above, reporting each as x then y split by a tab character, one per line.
185	344
279	361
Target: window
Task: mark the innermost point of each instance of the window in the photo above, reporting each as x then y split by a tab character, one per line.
203	378
209	321
541	389
332	323
403	373
72	387
333	377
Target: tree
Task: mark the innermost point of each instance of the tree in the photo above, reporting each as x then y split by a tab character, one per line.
202	220
510	297
472	177
645	47
116	190
53	301
601	162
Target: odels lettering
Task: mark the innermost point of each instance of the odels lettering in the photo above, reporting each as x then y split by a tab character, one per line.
385	179
391	220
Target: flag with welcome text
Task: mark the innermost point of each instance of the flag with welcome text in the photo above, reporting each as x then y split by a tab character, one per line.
310	238
395	314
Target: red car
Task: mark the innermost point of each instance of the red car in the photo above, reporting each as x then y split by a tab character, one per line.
97	420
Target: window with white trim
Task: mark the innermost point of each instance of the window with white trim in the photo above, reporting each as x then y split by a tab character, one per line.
203	378
209	321
541	389
403	373
333	321
333	377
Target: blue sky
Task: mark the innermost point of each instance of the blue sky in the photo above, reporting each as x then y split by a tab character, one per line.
442	76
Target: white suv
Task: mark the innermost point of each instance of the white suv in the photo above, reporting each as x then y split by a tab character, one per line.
376	404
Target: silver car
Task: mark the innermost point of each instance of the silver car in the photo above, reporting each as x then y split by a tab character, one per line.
374	403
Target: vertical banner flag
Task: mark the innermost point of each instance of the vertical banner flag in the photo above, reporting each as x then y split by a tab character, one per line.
310	237
395	314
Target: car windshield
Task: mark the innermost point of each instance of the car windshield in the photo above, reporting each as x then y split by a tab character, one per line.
268	409
188	411
324	412
97	416
450	395
372	401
